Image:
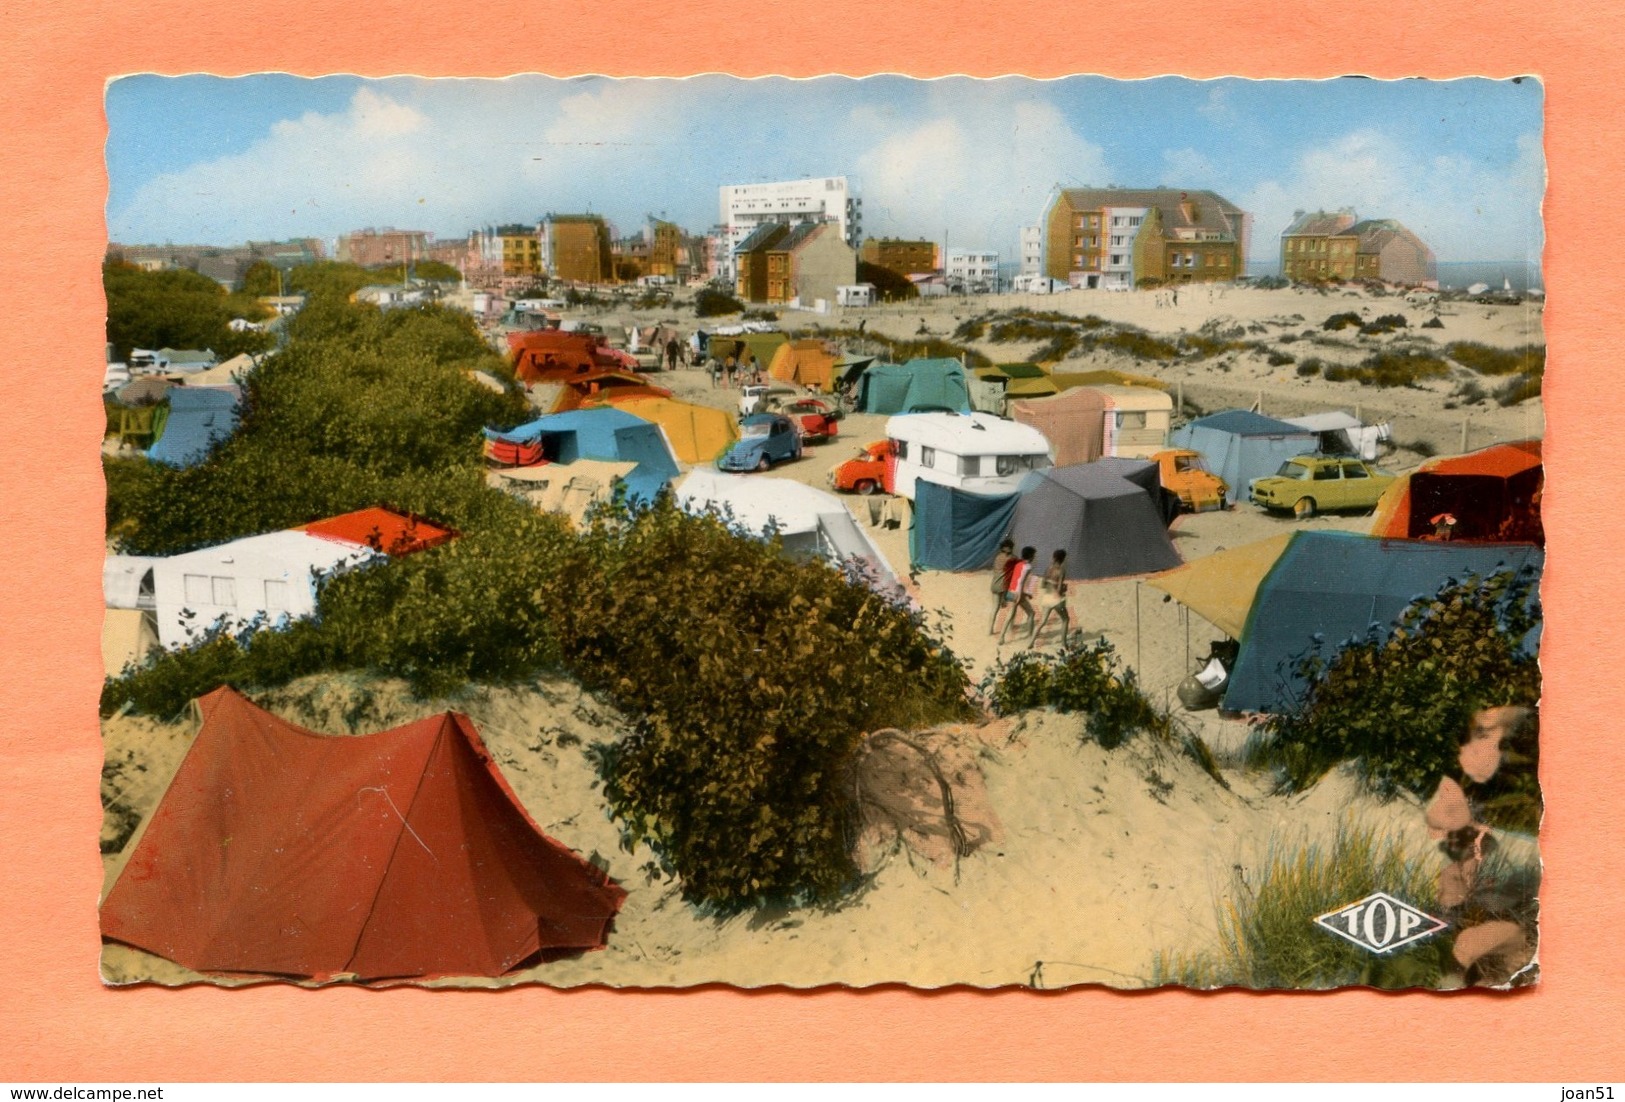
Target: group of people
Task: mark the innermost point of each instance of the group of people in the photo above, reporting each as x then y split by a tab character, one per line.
1016	582
729	372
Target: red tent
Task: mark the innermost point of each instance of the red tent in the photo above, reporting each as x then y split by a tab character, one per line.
382	530
395	856
553	355
1493	493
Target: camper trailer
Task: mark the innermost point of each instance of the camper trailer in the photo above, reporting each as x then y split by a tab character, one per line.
966	451
1137	420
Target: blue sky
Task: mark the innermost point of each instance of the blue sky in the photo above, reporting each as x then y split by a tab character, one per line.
222	160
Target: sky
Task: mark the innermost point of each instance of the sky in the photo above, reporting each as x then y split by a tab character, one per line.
216	160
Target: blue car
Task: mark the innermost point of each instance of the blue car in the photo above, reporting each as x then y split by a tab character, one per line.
765	439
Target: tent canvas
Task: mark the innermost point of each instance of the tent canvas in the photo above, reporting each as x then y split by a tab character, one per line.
1073	422
1239	446
1335	586
128	635
382	530
810	522
199	418
1343	434
1108	526
810	363
1220	587
954	529
918	384
400	855
602	433
1494	494
697	434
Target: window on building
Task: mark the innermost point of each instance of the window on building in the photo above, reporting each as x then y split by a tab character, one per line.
1117	219
224	591
1224	260
928	456
1077	259
1134	220
1117	258
970	465
1117	240
197	589
1190	260
1079	222
1130	419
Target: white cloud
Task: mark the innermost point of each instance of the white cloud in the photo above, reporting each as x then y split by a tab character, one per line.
1465	210
977	174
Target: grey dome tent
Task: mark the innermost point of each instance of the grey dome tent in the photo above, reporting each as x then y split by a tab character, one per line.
1108	525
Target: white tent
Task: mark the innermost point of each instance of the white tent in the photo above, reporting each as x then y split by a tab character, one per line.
1342	434
811	523
271	577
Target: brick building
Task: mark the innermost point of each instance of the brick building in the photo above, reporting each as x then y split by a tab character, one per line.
906	258
1116	238
576	248
372	248
1335	247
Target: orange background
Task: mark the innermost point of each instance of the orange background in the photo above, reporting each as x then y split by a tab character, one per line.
57	1022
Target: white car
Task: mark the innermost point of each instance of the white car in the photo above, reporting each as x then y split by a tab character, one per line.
763	397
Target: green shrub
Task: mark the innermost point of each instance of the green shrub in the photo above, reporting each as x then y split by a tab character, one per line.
1140	346
710	302
1271	283
1397	707
1342	321
1267	936
1517	389
1470	393
1434	322
1387	323
1078	679
971	329
1281	359
1528	360
1421	447
1392	367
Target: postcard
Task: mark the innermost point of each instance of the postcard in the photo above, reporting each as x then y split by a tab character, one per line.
791	533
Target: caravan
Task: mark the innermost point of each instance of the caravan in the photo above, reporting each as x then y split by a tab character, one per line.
966	451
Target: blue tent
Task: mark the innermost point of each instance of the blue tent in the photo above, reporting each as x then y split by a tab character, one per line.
199	418
602	433
914	386
955	530
1330	587
1240	445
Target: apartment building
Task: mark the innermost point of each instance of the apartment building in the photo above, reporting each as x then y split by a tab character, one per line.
576	248
373	248
906	258
1337	247
1032	250
745	207
1116	238
971	270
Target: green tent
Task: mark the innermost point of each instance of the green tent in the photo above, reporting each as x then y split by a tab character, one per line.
915	386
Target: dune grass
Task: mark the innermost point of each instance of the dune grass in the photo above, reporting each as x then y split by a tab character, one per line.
1528	360
1268	937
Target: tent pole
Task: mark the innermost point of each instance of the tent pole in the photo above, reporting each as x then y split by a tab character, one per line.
1465	421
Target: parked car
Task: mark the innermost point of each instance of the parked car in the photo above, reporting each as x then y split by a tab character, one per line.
762	397
815	417
765	439
867	472
1307	484
1185	475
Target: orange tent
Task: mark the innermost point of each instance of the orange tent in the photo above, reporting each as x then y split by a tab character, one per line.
1493	494
382	530
550	355
811	363
601	387
401	855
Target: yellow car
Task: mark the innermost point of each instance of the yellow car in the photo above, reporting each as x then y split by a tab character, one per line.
1309	484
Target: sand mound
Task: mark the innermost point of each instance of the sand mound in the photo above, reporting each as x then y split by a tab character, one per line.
1076	864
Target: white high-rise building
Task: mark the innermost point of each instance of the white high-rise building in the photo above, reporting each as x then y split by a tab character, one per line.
1032	250
972	270
822	199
